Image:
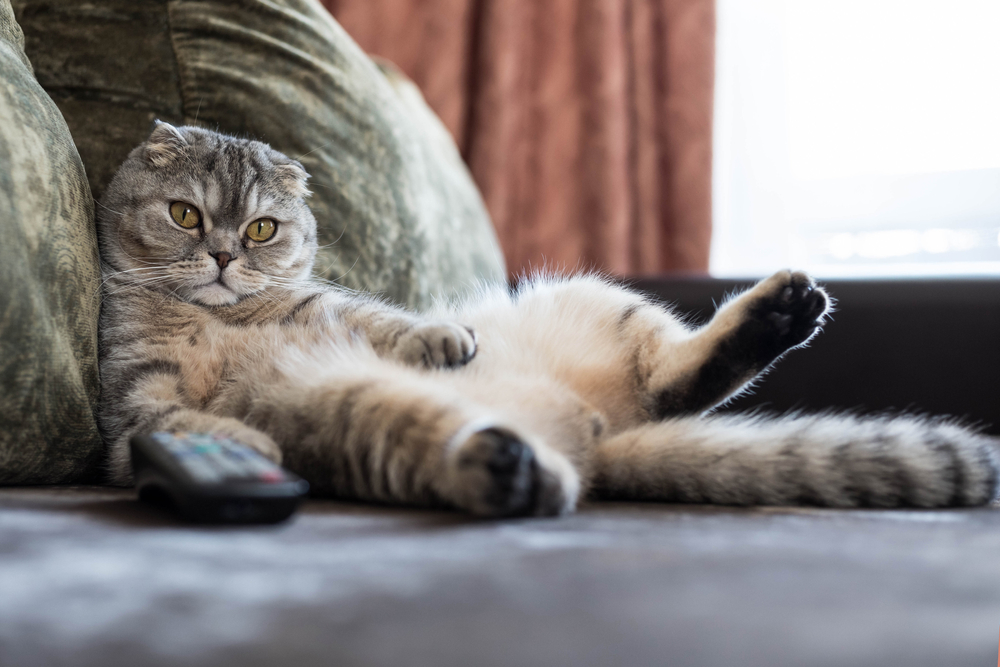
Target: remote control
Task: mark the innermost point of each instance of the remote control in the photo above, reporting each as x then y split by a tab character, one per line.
213	479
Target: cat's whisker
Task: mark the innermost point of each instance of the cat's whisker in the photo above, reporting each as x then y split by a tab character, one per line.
170	294
307	283
270	299
344	274
316	278
198	110
259	296
96	201
318	148
117	275
123	289
118	239
335	241
141	283
138	268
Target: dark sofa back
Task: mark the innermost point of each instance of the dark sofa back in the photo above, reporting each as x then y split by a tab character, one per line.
917	345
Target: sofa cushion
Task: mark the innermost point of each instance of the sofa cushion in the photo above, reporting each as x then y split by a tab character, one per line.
398	211
50	275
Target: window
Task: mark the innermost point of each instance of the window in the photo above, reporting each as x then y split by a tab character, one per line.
857	137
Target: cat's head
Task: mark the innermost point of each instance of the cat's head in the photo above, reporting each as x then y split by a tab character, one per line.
207	217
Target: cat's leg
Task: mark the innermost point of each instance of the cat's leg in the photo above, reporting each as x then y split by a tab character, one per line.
633	359
694	373
145	399
393	435
394	333
834	461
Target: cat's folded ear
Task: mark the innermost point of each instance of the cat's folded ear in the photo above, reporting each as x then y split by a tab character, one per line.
165	144
293	176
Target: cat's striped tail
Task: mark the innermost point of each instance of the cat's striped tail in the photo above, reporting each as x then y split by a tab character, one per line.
828	460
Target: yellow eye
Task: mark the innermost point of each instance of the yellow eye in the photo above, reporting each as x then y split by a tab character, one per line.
185	215
261	230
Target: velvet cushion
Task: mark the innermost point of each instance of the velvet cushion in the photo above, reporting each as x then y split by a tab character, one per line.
49	276
398	211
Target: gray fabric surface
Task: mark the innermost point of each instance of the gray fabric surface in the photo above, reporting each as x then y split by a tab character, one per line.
89	577
49	273
397	209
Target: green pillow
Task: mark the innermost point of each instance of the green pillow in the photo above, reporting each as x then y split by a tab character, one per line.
397	209
50	275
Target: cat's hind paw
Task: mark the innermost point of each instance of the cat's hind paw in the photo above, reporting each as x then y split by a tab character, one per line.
788	309
496	473
436	345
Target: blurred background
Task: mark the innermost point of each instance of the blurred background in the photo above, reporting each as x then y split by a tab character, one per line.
851	138
587	124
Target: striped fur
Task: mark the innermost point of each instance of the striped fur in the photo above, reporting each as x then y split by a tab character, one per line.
833	460
508	403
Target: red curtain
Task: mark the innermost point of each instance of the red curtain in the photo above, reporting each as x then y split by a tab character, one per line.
587	124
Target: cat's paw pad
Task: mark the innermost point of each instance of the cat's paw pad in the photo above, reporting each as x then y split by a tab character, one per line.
437	345
496	473
791	306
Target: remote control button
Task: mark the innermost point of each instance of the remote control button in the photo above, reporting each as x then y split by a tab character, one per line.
200	471
213	458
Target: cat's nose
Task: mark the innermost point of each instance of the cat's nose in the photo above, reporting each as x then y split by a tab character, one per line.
221	258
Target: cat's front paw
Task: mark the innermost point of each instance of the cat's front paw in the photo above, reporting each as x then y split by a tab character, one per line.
789	308
494	472
254	439
436	345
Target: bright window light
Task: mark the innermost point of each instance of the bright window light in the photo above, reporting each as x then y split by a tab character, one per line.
857	137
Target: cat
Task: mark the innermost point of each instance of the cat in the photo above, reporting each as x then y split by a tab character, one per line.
515	401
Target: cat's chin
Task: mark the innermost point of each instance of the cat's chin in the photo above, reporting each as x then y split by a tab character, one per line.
215	294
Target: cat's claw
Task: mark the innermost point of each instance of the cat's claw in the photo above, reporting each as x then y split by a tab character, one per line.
437	345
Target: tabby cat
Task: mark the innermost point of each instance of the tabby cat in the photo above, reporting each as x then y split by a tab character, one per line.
516	401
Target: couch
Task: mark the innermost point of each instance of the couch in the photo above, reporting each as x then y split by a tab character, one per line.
88	576
80	86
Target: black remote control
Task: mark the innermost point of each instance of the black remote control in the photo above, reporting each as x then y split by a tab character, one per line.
213	479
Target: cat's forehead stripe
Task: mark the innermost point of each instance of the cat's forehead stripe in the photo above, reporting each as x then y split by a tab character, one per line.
236	175
213	198
251	198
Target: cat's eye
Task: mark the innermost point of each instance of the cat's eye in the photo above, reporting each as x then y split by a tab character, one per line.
185	215
261	230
